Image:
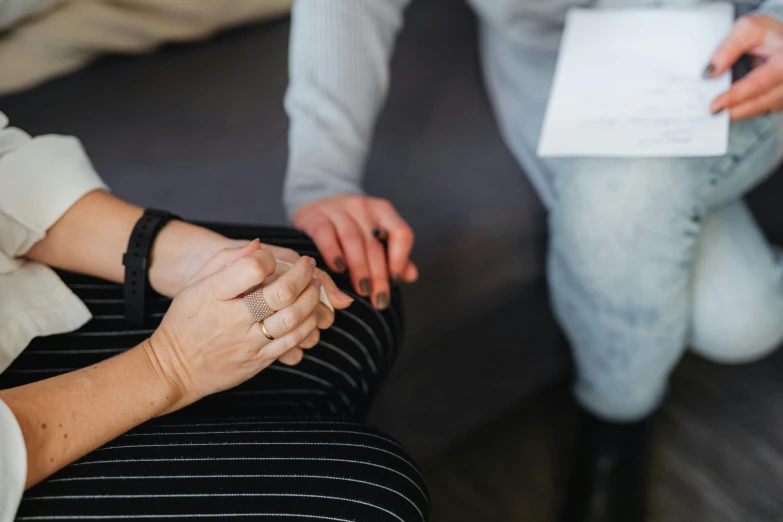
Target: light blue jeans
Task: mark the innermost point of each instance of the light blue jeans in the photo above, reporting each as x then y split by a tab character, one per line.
647	256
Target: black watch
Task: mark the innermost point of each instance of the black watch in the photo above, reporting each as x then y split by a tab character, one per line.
137	262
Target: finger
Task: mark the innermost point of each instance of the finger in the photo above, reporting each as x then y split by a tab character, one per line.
324	316
744	36
769	101
400	238
324	235
241	275
754	84
292	357
411	274
281	253
287	319
376	254
224	258
337	297
352	241
275	349
311	340
228	256
285	290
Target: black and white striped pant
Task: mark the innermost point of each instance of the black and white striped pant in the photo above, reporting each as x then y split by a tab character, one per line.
283	446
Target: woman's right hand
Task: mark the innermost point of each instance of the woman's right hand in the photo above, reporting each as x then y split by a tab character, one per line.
342	227
208	341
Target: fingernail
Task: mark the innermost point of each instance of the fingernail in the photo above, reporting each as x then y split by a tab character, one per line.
715	112
364	286
396	279
316	282
347	298
312	262
708	70
339	263
382	301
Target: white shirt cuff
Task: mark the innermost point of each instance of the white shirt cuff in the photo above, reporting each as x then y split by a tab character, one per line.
39	181
13	464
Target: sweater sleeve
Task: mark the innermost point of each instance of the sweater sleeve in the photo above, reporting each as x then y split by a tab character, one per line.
773	8
339	78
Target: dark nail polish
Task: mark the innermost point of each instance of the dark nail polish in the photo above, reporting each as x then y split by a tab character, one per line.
339	262
382	301
364	286
396	279
709	70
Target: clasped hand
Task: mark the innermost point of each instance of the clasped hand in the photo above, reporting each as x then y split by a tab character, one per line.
208	342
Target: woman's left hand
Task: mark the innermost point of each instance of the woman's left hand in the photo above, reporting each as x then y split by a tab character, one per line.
761	90
184	254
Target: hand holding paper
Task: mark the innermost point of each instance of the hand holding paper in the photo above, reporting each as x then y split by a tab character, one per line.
629	82
761	91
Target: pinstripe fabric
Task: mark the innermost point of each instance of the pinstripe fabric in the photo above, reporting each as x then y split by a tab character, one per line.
283	446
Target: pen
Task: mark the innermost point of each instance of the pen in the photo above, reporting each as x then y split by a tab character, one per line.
383	239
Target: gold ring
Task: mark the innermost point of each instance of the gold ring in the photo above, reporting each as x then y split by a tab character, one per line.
266	334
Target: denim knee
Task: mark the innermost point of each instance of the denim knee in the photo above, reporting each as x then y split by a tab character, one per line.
627	229
744	330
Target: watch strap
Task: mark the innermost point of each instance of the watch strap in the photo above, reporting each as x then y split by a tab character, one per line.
137	261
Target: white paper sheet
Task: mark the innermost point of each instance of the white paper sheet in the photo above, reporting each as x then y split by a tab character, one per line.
629	83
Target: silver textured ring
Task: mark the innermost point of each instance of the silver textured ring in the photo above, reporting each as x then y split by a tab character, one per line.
266	334
257	306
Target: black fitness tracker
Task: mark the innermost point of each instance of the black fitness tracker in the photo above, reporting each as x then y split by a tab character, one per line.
137	262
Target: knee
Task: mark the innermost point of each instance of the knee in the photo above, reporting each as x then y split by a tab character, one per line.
746	330
624	224
383	475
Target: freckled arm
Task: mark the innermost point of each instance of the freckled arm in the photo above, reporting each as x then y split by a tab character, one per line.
64	418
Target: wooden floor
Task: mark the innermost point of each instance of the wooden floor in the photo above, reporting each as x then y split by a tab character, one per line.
718	455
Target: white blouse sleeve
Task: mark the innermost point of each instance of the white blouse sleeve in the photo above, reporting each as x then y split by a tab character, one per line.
40	179
13	464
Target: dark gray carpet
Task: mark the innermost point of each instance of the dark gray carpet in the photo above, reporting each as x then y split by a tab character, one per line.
718	454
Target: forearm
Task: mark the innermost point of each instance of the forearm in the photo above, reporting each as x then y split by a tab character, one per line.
339	63
64	418
91	237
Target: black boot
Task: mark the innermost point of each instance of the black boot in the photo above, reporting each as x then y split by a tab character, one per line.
608	480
